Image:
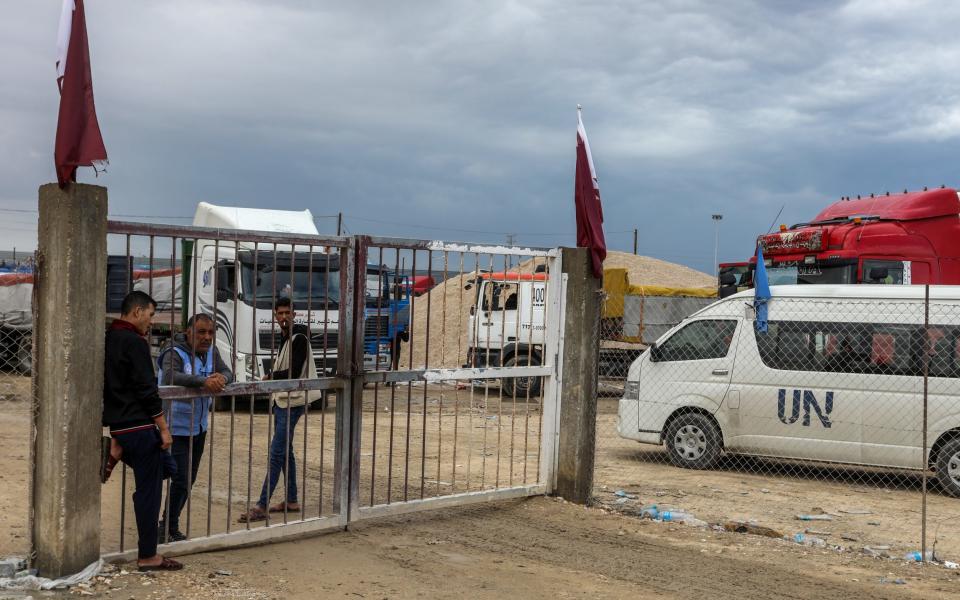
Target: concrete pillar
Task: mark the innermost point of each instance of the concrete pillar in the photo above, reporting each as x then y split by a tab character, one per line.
68	377
578	392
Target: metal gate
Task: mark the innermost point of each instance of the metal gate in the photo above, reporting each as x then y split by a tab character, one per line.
410	408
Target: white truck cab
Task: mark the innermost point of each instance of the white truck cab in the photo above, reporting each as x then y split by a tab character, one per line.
507	326
257	274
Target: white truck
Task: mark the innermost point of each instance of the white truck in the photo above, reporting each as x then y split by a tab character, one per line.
257	274
507	322
507	326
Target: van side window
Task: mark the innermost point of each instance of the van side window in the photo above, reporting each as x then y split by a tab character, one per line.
698	340
866	348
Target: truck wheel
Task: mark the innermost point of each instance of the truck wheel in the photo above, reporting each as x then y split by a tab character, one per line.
693	441
948	467
24	356
519	387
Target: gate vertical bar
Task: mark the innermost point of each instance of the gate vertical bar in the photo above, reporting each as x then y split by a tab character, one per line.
355	384
551	399
347	453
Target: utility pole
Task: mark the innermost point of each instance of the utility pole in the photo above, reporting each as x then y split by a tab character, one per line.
339	222
634	241
511	240
716	242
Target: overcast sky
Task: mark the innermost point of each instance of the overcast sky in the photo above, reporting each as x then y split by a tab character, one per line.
456	120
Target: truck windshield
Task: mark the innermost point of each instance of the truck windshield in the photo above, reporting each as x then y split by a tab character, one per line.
499	296
317	289
802	274
377	290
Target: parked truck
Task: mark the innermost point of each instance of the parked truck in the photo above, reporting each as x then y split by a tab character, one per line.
506	327
898	239
216	273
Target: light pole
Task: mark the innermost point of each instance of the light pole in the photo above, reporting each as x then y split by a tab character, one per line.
716	242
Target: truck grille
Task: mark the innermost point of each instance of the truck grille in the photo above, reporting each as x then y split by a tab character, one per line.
318	341
376	327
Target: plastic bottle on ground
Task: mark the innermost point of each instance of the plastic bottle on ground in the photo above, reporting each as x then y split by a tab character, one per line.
809	540
649	512
675	515
915	556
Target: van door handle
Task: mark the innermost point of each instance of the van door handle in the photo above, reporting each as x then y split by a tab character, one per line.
721	371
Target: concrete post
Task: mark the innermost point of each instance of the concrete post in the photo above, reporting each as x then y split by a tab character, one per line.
68	377
578	393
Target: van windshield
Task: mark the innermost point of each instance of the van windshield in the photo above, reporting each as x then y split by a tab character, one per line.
816	273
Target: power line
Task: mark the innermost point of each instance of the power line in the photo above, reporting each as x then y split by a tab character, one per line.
366	219
125	216
501	233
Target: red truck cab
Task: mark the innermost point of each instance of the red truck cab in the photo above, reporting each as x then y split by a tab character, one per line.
909	238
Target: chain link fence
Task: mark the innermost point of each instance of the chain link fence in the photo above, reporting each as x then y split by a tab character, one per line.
838	426
16	365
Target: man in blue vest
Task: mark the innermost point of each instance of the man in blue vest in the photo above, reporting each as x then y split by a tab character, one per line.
191	360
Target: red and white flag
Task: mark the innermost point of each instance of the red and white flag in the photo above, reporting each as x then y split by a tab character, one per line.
586	198
79	143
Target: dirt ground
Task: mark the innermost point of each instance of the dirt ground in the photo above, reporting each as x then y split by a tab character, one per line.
879	510
538	547
535	548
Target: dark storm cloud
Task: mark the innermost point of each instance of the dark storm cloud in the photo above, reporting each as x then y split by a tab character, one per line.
455	118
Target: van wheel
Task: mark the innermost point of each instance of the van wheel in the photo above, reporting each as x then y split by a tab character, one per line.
520	387
948	467
693	441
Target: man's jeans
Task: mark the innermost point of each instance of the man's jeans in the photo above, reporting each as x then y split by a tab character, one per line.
281	454
179	484
142	453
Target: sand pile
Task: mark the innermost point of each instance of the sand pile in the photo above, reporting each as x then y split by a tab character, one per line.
449	317
450	298
644	270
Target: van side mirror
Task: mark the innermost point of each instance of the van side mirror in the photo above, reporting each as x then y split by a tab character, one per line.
726	291
656	352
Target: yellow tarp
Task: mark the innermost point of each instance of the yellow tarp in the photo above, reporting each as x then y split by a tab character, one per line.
616	284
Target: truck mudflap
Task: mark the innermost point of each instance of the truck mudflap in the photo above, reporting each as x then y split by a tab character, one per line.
481	357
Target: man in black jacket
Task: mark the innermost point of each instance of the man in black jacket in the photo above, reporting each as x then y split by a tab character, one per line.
134	412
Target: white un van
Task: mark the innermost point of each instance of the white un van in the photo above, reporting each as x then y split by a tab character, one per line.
838	377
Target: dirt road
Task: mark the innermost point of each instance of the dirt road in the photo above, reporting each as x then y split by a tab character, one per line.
536	548
866	508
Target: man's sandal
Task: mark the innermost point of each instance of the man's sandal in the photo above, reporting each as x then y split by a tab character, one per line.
284	506
254	514
167	564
